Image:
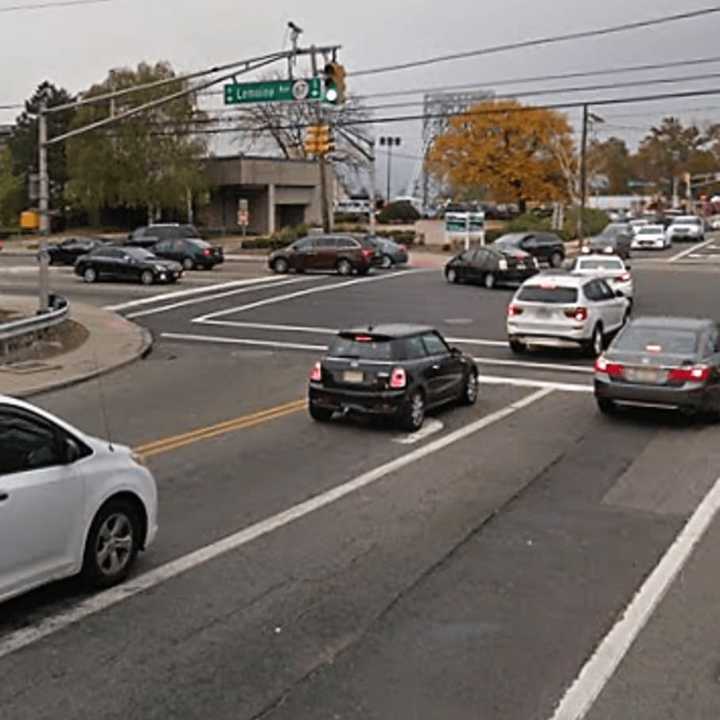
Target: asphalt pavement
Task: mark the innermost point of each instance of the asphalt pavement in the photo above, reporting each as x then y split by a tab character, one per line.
351	571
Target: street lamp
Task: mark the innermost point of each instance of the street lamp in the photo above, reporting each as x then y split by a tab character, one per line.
389	142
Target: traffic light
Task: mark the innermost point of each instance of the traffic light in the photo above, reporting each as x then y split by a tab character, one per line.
334	83
319	140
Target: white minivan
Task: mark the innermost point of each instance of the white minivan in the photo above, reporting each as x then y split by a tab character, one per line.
69	503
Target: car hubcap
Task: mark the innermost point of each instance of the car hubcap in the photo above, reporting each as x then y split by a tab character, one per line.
188	264
451	276
344	268
386	262
472	388
489	281
114	544
418	411
597	342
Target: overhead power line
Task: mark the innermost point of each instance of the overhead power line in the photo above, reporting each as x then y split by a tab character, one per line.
548	40
49	5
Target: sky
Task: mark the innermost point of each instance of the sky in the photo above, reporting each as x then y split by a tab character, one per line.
74	47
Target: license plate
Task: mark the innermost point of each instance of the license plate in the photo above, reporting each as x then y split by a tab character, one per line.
352	376
543	313
647	377
521	266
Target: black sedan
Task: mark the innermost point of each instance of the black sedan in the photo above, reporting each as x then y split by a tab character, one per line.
491	266
126	263
388	253
191	253
70	249
392	371
615	239
543	246
662	362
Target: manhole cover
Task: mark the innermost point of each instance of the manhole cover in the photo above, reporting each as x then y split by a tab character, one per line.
27	367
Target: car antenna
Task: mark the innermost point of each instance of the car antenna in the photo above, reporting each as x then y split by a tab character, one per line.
103	405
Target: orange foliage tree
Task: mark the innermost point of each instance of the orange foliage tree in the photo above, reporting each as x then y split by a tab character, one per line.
517	153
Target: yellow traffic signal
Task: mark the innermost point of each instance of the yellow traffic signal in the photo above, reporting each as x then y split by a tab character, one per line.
334	83
319	140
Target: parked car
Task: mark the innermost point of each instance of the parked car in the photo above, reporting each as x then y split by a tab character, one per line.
392	371
651	237
664	362
149	235
70	249
616	239
69	503
191	253
565	310
610	268
688	228
491	266
546	247
343	253
388	253
126	263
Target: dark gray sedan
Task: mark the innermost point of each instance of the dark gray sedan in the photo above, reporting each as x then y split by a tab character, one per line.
662	362
615	239
388	253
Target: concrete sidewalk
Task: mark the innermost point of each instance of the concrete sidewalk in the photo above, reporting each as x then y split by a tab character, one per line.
112	343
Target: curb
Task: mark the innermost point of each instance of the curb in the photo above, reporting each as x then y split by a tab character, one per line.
145	349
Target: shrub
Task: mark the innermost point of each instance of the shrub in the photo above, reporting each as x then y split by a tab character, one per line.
398	212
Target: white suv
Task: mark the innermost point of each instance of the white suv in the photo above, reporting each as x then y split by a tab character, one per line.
69	503
565	310
687	227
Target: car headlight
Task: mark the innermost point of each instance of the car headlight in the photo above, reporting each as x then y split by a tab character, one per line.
159	268
608	250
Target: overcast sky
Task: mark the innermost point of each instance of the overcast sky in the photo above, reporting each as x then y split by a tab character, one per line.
75	46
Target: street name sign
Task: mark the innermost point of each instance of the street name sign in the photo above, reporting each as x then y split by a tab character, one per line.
301	90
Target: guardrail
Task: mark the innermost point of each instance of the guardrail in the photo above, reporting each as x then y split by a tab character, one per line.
57	313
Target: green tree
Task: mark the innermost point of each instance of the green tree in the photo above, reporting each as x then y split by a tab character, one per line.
150	160
11	201
23	143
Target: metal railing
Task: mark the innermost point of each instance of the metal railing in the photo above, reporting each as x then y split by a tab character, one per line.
58	312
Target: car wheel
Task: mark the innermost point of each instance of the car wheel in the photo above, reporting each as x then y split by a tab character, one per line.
320	414
188	263
412	416
517	347
556	260
489	281
112	544
386	263
344	267
451	276
471	389
606	407
147	277
90	275
280	266
597	342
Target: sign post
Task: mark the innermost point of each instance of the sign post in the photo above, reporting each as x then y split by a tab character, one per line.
468	224
243	215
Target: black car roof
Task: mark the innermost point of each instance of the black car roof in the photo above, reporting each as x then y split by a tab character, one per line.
678	323
390	330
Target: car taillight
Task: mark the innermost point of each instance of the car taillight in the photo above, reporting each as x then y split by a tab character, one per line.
514	310
398	379
615	370
316	372
580	314
698	373
368	253
403	248
625	277
206	252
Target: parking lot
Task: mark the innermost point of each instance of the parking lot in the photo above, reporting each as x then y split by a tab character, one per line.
350	570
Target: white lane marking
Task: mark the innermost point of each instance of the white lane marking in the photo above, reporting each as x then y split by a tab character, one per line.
598	670
430	427
243	341
473	341
104	600
210	298
488	379
536	365
302	293
689	251
187	293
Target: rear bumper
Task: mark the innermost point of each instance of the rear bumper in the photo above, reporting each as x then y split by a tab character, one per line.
353	401
552	337
693	398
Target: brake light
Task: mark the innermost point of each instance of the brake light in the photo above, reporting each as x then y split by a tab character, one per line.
579	314
363	338
615	370
398	379
625	277
698	373
403	248
316	372
206	252
368	253
514	310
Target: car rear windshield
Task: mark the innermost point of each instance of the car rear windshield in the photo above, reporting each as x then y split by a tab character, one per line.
650	230
363	347
369	243
509	240
665	341
686	221
553	295
608	264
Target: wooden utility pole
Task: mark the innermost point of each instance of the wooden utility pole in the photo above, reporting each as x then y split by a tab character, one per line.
583	172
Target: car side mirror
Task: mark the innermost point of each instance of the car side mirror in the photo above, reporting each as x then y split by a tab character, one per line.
71	451
456	352
628	266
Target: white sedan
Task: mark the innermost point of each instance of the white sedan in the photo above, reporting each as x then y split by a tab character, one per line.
651	237
611	269
69	503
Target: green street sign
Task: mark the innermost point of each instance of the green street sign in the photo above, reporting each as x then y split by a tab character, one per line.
274	91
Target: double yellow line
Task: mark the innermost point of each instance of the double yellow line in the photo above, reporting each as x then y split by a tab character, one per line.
212	431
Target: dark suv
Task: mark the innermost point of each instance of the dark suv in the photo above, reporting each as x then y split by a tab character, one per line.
342	253
544	246
396	371
191	253
149	235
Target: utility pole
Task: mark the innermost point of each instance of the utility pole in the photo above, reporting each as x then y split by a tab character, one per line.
583	172
327	217
373	190
43	280
390	142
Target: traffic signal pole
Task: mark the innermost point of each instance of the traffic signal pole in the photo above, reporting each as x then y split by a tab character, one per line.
43	280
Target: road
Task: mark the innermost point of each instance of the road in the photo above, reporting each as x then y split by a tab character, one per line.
351	571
